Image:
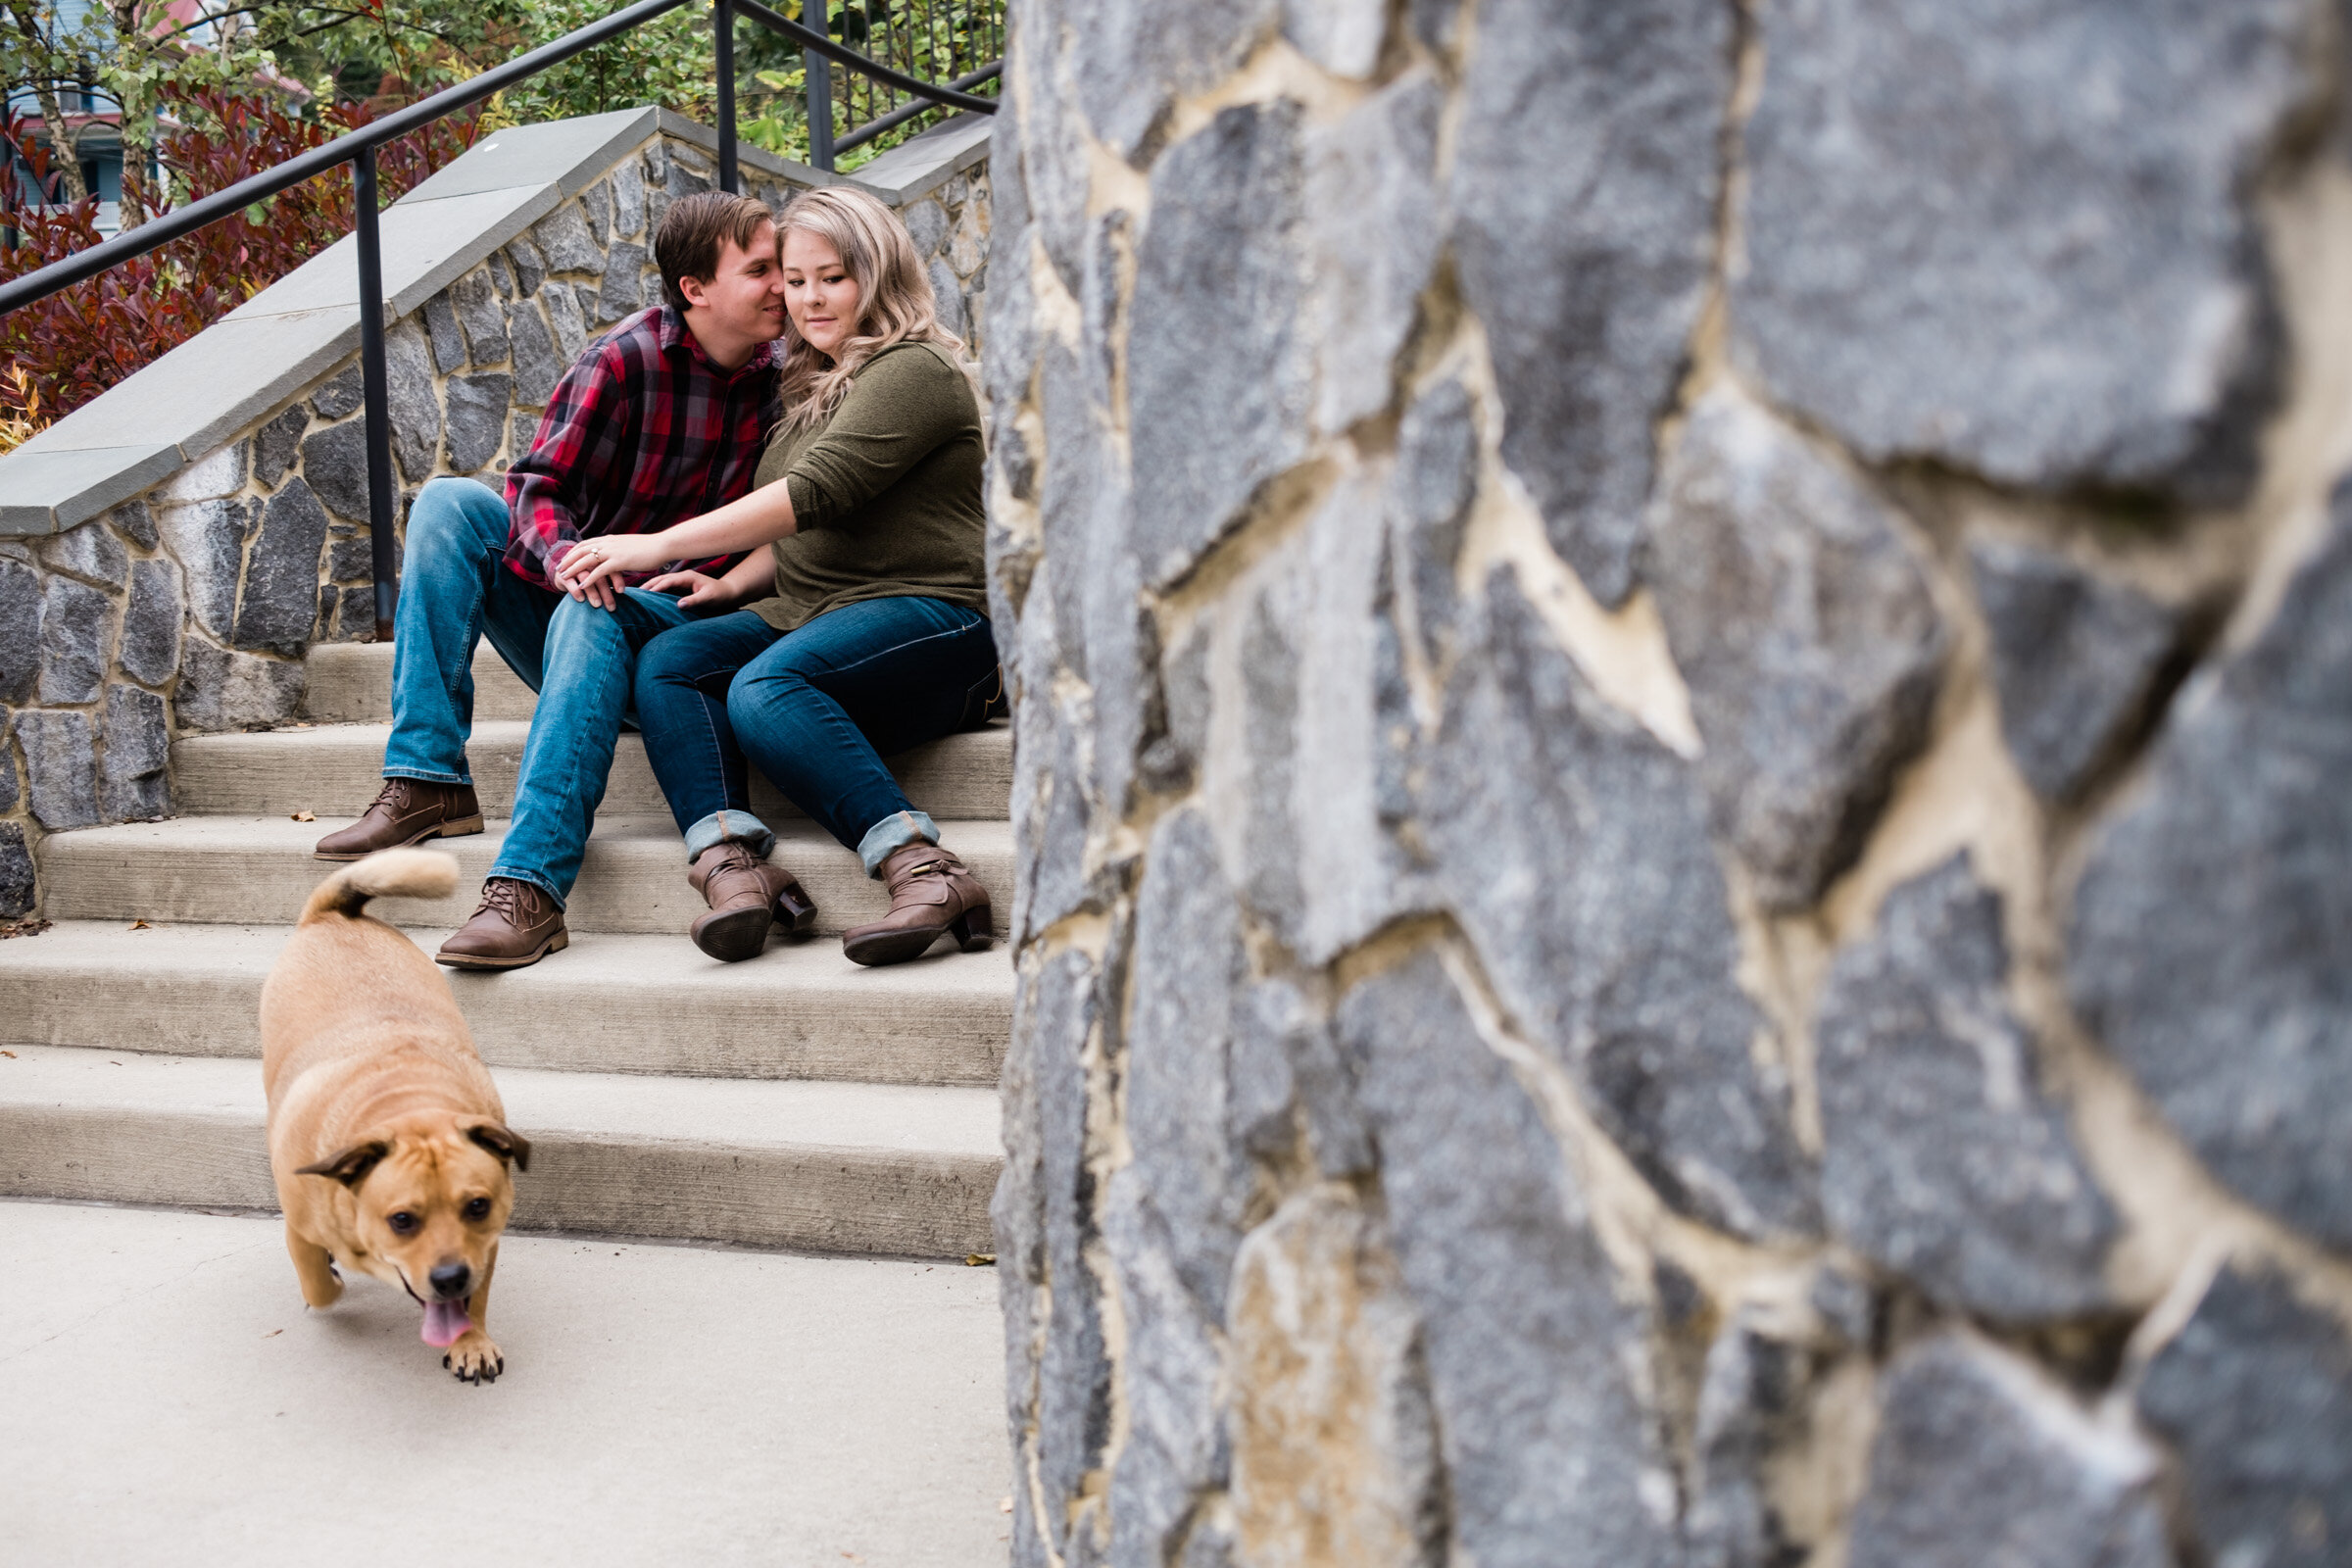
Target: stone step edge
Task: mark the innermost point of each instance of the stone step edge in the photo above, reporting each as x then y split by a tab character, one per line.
70	1134
807	1013
633	879
334	770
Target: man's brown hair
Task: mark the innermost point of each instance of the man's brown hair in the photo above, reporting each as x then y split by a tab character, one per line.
692	232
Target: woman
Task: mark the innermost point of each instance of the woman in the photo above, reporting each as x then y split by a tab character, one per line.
866	632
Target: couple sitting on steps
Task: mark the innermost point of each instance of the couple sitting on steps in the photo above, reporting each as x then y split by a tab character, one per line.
613	579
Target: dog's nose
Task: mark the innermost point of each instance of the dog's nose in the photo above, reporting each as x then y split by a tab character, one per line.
450	1280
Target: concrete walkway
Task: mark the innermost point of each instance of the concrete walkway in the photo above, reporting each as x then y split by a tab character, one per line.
165	1397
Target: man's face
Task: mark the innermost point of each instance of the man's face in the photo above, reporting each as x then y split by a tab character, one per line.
743	298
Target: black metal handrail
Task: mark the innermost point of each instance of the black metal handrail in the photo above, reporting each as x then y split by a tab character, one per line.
358	149
899	116
819	43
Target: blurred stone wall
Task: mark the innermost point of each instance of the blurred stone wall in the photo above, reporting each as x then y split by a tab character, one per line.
1683	684
189	608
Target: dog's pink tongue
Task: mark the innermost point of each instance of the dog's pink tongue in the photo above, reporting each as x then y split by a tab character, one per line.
444	1321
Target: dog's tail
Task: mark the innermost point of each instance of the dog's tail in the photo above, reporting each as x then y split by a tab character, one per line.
402	873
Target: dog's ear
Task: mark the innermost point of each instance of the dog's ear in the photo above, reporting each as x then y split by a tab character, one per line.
352	1165
504	1142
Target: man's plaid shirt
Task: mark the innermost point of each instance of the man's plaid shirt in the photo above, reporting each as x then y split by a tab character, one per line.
643	431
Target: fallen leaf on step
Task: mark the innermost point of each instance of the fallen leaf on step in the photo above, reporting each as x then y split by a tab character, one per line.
140	925
305	816
274	1333
978	1260
9	1054
21	928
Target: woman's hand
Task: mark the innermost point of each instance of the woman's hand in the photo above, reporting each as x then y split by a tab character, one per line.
701	588
752	577
591	568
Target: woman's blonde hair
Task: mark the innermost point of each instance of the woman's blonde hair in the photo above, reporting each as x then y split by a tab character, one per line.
894	298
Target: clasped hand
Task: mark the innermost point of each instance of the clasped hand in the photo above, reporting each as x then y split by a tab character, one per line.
592	568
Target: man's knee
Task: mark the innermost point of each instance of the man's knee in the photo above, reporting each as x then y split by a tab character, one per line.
460	515
580	632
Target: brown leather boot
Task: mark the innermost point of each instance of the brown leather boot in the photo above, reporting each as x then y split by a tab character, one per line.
745	893
930	893
407	811
514	925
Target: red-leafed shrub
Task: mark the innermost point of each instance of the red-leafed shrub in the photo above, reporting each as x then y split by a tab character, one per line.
77	343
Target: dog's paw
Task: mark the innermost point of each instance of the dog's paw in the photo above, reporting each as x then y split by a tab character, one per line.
324	1292
475	1358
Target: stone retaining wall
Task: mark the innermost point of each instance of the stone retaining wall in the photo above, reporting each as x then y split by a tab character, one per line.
1683	679
187	607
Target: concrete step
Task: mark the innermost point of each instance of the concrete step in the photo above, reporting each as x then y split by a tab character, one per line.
254	870
825	1167
352	683
616	1004
335	771
171	1401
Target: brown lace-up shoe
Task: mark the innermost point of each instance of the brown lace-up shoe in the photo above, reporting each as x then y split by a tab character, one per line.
515	925
745	893
930	892
407	811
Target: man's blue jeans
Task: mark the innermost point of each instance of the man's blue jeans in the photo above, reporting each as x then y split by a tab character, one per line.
455	589
816	709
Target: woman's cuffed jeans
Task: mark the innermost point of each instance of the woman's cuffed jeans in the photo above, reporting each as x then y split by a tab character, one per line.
816	709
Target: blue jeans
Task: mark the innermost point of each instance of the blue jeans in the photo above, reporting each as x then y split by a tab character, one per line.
816	709
454	590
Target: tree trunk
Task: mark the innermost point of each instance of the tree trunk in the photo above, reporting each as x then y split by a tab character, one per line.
139	123
64	145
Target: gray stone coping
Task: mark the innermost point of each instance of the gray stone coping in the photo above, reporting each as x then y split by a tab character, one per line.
921	165
907	172
190	401
426	247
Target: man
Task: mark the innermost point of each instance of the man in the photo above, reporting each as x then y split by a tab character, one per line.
659	420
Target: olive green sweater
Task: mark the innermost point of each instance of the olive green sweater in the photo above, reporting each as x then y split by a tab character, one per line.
885	494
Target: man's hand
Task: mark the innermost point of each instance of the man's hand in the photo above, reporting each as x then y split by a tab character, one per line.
603	595
702	589
591	570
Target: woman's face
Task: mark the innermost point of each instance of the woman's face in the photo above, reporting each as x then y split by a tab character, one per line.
819	293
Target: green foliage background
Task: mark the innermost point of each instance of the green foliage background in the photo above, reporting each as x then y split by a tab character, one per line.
386	52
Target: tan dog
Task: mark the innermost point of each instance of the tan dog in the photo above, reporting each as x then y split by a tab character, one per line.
386	1135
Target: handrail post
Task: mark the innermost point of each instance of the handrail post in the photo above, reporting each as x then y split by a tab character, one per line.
819	72
722	40
375	386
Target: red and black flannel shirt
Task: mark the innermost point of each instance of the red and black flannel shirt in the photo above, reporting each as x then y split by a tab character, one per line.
641	432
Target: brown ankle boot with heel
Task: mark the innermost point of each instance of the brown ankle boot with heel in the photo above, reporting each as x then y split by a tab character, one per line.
931	894
746	895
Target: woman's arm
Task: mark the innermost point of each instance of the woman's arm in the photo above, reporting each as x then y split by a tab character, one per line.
760	518
754	577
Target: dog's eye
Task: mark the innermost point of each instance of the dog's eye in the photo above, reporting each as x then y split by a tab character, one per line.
402	1223
477	1208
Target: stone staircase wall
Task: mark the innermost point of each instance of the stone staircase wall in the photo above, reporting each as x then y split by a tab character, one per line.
169	551
1685	881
